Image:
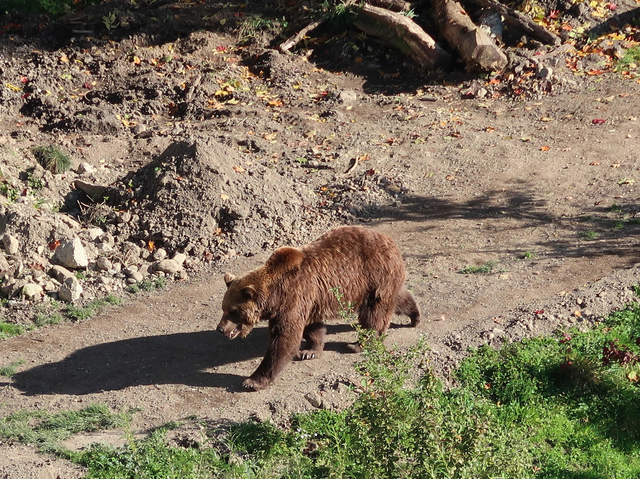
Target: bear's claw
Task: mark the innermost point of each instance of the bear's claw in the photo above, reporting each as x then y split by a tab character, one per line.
252	385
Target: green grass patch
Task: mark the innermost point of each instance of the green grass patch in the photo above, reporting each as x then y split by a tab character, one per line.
562	407
147	285
46	430
589	235
11	369
9	329
486	268
82	313
631	56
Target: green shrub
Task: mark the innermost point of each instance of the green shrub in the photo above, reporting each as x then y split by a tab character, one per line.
52	158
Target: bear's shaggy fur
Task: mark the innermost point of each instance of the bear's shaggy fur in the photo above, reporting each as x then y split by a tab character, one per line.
296	291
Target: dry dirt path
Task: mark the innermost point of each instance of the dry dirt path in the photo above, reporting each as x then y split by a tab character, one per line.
499	199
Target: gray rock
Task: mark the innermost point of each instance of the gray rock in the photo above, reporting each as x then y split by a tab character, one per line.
12	287
159	254
11	243
137	276
71	290
104	263
71	254
50	286
179	258
32	291
348	97
314	399
94	233
130	270
60	273
85	169
168	266
4	264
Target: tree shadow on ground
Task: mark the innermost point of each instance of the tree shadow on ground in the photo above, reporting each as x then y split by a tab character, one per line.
185	358
597	229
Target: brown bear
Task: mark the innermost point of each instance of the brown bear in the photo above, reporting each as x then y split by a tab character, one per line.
296	290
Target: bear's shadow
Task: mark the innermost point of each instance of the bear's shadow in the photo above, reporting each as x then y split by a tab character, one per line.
185	358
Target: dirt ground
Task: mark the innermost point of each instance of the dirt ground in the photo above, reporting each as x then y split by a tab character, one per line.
224	153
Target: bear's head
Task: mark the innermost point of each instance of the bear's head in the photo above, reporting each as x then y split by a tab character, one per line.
240	308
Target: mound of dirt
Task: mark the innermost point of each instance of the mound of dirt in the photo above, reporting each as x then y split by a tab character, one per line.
196	198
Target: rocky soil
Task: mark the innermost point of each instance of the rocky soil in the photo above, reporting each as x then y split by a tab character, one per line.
196	148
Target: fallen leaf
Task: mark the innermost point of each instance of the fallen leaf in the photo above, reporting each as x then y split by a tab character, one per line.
633	376
546	119
224	197
544	148
54	245
270	136
598	121
615	165
151	245
238	169
594	163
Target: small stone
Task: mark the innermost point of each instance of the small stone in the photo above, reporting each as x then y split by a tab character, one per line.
131	281
481	93
71	254
104	263
85	168
545	73
137	276
60	273
103	280
129	270
124	217
314	399
71	290
32	291
11	243
94	233
179	258
348	97
159	254
50	286
168	266
4	264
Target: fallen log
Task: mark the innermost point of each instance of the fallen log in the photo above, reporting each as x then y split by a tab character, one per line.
393	5
403	33
522	21
475	46
298	37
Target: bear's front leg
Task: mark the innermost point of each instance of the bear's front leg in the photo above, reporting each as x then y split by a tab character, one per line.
314	337
284	341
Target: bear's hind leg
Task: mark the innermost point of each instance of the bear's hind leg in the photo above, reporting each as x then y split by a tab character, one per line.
375	313
406	305
314	337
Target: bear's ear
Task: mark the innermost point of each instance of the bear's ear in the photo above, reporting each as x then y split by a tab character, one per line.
228	278
249	293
